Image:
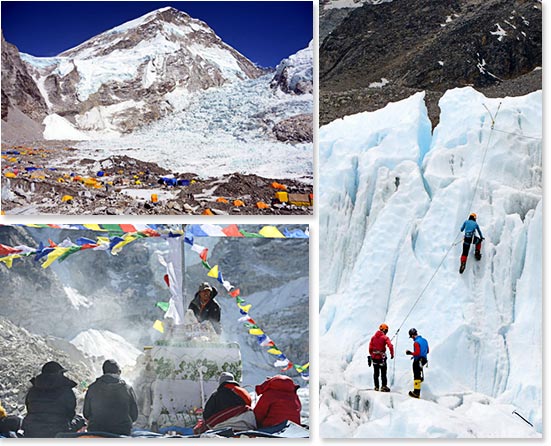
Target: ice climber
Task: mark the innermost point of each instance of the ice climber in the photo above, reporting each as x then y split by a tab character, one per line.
377	351
205	307
229	406
419	354
50	403
278	401
110	404
470	226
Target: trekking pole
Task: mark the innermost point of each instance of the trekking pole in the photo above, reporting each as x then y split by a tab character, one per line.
516	413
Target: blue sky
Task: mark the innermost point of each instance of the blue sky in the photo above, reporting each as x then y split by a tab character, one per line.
263	31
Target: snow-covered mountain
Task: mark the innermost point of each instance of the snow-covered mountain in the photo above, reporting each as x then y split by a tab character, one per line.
393	198
122	75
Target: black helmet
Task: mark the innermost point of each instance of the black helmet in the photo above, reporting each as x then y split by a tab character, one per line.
412	332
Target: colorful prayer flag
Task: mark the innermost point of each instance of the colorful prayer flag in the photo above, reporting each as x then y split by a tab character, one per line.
163	306
271	232
213	272
159	326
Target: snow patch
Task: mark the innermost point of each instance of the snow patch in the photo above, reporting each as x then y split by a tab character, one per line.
219	57
58	127
500	32
381	84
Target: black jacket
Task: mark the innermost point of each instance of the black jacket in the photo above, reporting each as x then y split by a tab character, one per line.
110	406
50	405
211	312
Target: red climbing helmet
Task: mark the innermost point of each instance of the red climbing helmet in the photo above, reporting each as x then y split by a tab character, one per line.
383	327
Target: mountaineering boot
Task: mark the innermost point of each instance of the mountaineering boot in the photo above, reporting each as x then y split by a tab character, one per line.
385	389
376	389
477	255
416	392
462	267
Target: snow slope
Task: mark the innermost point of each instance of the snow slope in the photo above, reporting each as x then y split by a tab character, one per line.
105	344
393	198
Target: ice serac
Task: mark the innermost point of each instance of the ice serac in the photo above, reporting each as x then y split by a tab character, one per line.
393	198
295	74
136	64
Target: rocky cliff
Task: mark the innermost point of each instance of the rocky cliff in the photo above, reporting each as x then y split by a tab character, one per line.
21	98
386	52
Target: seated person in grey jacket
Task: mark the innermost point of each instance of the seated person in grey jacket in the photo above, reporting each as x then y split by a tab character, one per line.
110	404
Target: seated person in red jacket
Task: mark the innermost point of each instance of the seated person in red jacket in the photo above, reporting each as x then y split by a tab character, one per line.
229	406
278	401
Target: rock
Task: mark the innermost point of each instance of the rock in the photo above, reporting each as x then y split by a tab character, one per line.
19	90
219	212
298	129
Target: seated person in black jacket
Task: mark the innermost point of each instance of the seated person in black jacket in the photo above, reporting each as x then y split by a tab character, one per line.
205	307
110	404
50	403
229	406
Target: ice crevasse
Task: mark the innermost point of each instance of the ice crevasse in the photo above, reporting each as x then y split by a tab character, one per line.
393	195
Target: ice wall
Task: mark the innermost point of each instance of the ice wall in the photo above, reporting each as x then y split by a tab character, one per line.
393	198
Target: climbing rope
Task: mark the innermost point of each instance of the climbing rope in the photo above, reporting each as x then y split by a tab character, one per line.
520	135
493	118
455	241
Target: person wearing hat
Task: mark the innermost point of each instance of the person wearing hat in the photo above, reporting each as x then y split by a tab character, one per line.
470	227
229	406
205	307
278	401
50	403
110	404
377	351
419	356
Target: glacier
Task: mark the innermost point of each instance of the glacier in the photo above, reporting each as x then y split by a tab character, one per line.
216	132
393	196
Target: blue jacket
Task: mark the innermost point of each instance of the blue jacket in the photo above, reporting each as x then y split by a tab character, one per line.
470	226
423	347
